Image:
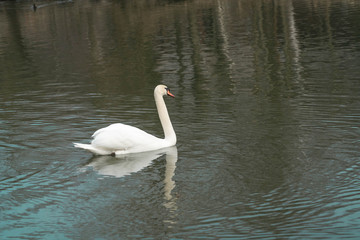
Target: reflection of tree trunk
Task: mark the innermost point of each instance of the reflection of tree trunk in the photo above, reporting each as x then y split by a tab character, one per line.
275	68
16	57
226	48
16	48
292	39
195	38
260	50
223	32
14	29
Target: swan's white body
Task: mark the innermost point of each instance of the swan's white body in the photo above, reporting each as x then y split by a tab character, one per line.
120	138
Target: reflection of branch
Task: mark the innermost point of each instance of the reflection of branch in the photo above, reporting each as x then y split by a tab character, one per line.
226	45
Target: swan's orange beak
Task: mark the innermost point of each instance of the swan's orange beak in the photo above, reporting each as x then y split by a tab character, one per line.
169	93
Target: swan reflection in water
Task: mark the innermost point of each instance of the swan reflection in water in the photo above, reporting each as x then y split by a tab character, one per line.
121	166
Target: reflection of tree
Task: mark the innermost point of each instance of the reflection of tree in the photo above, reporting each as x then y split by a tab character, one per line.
213	41
14	57
276	48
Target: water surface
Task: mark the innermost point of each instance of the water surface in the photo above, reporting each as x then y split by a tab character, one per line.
267	114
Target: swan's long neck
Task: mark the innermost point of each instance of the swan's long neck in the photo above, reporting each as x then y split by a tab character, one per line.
169	132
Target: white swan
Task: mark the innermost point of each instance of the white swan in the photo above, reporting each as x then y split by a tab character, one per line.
119	138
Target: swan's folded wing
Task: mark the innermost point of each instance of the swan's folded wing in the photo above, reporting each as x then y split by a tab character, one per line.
121	137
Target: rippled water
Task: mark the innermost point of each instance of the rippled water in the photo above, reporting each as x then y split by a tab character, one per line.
267	115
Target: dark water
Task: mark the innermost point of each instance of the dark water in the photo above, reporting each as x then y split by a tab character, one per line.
267	115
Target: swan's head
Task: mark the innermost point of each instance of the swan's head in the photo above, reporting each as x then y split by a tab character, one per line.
163	90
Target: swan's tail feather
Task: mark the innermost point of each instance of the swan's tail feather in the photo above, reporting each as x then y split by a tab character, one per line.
83	146
91	148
